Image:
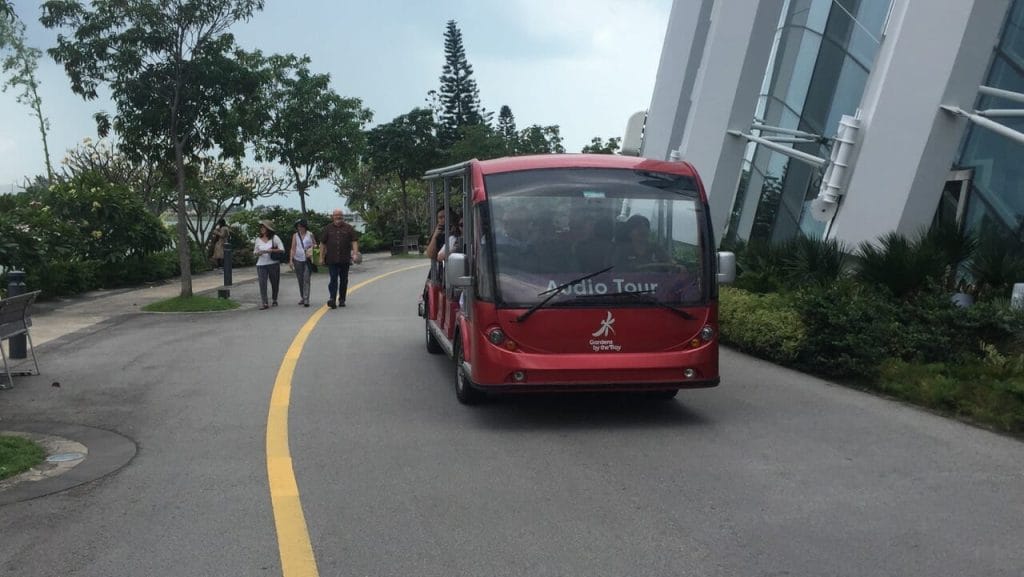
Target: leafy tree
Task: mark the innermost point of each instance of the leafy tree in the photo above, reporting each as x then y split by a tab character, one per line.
6	9
598	146
480	142
507	128
21	64
459	95
172	69
309	128
217	187
405	148
152	182
378	199
538	139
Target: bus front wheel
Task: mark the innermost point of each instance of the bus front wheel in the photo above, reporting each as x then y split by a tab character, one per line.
464	389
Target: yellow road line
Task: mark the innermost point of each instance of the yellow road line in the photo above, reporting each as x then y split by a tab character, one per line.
293	542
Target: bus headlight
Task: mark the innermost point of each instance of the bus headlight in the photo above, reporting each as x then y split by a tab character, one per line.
707	333
496	336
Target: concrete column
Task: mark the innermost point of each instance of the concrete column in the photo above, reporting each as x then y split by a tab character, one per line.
725	96
681	54
934	52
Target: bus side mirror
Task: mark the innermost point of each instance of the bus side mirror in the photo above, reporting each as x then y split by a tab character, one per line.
456	271
726	267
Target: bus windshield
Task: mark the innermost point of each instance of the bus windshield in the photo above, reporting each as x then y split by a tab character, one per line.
551	226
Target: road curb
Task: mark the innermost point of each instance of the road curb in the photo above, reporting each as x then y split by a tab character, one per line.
107	452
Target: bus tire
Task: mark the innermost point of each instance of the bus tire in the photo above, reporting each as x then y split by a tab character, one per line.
465	391
433	347
663	395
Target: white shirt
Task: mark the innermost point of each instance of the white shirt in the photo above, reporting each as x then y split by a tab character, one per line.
262	245
449	247
300	249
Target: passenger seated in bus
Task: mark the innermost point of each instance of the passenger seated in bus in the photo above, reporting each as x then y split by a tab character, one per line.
634	249
434	244
454	243
594	250
510	242
453	246
542	252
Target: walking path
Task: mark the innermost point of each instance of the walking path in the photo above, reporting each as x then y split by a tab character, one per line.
54	319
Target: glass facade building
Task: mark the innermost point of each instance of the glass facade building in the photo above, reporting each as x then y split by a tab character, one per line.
994	196
819	66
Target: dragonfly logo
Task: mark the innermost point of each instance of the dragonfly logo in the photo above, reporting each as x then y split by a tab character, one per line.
606	327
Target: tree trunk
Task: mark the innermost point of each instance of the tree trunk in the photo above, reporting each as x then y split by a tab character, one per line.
37	107
300	186
184	250
405	210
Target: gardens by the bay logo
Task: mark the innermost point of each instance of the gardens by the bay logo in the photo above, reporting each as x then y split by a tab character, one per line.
601	340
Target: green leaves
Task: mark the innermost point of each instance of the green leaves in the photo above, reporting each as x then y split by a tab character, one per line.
304	124
597	146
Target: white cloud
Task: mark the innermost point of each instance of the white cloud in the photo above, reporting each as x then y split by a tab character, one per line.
591	89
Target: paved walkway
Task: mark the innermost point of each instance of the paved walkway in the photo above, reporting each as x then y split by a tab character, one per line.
54	319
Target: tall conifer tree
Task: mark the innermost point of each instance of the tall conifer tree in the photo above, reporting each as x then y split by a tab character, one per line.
460	98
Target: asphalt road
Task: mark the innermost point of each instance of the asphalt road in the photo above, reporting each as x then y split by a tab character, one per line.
773	473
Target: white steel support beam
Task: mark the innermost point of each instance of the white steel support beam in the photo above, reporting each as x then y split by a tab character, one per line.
988	123
1000	93
777	147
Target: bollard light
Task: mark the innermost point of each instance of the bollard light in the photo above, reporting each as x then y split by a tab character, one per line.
15	287
228	253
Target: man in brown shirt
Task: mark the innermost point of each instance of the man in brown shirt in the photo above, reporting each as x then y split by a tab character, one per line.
339	244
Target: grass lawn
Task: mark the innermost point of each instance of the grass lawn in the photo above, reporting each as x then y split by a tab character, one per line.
195	304
18	455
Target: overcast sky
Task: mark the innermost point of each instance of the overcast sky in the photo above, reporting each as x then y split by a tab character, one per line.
585	65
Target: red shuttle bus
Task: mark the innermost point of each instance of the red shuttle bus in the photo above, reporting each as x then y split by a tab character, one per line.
574	272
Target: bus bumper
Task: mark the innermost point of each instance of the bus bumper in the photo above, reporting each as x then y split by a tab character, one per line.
515	372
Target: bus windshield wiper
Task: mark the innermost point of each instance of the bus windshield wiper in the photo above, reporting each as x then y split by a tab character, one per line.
645	296
553	292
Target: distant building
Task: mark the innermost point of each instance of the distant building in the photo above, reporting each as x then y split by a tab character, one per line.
845	119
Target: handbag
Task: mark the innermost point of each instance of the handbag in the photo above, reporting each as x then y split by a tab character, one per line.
279	256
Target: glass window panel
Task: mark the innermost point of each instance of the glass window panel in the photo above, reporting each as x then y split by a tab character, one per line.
795	66
849	90
1013	34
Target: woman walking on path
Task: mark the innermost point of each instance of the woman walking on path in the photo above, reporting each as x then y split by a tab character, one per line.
266	266
219	236
302	258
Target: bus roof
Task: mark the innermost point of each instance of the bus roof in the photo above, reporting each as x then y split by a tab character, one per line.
542	161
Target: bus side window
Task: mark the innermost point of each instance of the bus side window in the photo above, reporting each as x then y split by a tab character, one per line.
482	239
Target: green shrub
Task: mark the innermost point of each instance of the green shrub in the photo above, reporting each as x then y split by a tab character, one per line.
901	265
808	260
849	329
58	279
151	268
200	263
759	267
761	324
988	389
371	242
997	263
